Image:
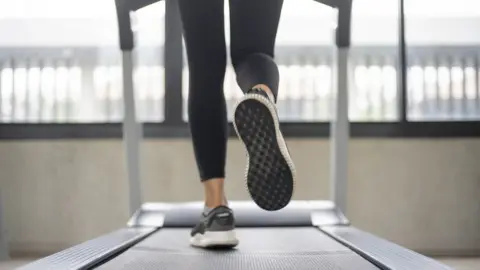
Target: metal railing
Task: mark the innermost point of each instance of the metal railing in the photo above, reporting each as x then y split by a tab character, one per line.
71	85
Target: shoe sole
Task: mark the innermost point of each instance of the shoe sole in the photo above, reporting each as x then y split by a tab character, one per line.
270	172
224	239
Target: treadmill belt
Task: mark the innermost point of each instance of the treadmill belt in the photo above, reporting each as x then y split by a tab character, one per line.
259	248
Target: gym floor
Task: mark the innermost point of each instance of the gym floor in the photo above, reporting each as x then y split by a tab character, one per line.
456	263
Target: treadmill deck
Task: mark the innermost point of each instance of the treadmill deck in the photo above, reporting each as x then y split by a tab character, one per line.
260	248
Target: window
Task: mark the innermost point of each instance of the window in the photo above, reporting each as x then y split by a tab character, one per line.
443	46
61	62
374	60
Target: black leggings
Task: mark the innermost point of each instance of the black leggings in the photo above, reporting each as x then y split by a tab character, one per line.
253	27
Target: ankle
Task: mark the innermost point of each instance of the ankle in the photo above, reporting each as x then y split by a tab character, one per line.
211	205
265	89
214	193
212	202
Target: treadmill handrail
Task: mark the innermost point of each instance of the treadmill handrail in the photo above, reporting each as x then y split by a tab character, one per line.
124	7
138	4
330	3
127	44
343	33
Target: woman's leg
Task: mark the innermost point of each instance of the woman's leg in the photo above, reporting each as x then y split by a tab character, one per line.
271	173
254	27
203	23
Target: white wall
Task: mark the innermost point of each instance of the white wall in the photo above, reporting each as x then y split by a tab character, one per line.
423	194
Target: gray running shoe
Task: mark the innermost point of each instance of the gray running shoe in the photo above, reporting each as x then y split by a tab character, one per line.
215	229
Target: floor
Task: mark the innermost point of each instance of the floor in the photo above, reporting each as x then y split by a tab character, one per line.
13	264
463	263
456	263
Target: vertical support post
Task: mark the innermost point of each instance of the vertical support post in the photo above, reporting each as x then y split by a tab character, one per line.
340	129
132	129
132	134
402	65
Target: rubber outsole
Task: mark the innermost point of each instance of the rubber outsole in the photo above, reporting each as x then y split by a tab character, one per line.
223	239
270	173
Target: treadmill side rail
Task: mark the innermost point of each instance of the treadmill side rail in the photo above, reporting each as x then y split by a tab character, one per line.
382	253
247	214
93	252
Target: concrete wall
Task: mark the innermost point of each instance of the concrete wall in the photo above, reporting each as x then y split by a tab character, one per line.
423	194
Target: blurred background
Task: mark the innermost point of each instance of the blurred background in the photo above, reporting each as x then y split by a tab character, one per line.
60	61
413	168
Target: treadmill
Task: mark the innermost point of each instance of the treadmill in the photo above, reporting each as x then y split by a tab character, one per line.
304	235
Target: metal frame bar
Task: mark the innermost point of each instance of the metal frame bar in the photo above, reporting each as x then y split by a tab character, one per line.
247	214
339	136
94	131
402	66
330	3
132	130
92	253
132	135
384	254
340	131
